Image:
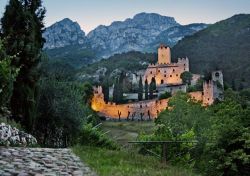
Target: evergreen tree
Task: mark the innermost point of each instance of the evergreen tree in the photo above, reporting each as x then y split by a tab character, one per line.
152	88
115	90
153	83
146	89
105	89
120	87
140	90
22	26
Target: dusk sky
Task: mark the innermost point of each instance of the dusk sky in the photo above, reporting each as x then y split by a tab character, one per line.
91	13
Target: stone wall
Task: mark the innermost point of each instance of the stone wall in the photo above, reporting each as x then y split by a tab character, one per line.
142	110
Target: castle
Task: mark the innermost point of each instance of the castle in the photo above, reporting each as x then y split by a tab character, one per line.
167	77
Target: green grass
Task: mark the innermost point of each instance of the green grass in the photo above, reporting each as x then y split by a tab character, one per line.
122	132
125	163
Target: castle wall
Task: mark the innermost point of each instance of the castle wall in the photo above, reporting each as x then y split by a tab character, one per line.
139	110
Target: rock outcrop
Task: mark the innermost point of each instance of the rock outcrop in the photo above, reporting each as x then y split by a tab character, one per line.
140	33
131	34
64	33
11	136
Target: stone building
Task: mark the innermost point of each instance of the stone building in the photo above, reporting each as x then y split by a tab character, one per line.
164	71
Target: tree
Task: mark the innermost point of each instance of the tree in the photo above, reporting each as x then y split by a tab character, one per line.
87	92
120	87
186	77
140	90
146	89
7	76
22	25
153	83
115	91
61	113
152	87
105	89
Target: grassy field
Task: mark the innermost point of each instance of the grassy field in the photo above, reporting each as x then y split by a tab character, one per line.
122	132
125	163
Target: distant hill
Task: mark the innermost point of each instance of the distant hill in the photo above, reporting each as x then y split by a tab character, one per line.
224	45
130	62
74	55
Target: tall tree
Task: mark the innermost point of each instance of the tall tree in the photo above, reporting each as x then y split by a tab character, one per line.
153	83
140	90
151	90
105	89
146	89
115	91
22	26
120	87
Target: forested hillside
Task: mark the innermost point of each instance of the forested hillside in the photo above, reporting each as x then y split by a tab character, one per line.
224	45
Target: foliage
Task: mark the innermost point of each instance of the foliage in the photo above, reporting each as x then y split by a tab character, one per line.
61	113
221	131
127	62
186	122
165	95
186	77
197	87
87	91
76	56
223	45
125	162
229	154
140	90
152	88
105	89
22	26
93	136
8	75
146	89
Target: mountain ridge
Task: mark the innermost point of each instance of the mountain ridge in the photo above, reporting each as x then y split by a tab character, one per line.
136	33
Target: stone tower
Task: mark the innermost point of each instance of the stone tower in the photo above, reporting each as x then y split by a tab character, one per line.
164	55
208	96
217	76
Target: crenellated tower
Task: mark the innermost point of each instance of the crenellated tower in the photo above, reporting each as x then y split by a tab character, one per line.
164	54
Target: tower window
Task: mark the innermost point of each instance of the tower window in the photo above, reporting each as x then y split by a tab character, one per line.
164	71
151	72
184	64
177	75
140	106
159	71
165	76
170	76
173	70
162	82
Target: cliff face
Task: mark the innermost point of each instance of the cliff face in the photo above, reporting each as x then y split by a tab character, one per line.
64	33
131	34
142	33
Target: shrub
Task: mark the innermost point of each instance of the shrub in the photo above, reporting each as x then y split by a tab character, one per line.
92	136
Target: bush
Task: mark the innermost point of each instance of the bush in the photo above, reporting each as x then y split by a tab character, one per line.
92	136
165	95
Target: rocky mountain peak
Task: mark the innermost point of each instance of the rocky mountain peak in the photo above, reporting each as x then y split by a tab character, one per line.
63	33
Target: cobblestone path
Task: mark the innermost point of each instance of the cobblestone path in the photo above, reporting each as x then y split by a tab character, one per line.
41	161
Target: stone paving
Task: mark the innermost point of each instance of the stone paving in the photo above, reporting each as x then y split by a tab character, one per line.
41	161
